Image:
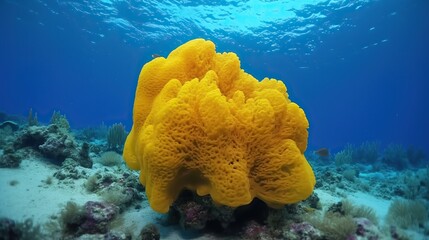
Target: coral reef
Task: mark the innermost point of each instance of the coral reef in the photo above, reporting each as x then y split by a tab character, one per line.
50	142
7	133
343	220
121	188
380	177
61	121
90	219
84	160
253	231
253	221
70	170
58	145
366	229
11	230
302	231
202	123
353	170
149	232
10	158
193	211
32	136
97	216
69	219
119	195
193	215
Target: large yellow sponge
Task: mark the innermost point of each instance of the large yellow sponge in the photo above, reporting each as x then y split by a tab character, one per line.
202	123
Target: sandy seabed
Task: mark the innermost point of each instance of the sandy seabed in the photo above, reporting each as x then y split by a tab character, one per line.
26	193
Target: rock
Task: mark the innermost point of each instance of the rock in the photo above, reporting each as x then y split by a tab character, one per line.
50	141
193	211
69	169
313	201
10	124
303	230
367	230
337	208
83	158
97	217
193	215
9	229
58	146
150	232
254	230
10	160
32	137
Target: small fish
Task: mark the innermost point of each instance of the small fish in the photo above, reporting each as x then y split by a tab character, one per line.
156	55
323	152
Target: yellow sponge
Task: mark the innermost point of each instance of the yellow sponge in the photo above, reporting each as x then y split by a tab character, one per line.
202	123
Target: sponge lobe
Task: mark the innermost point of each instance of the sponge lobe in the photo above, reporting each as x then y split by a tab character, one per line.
202	123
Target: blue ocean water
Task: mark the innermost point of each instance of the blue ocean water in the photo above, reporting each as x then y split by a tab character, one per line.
359	68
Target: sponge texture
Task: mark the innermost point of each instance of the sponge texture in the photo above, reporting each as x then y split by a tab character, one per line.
202	123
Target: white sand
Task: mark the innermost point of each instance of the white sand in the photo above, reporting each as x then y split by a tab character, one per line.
31	197
379	205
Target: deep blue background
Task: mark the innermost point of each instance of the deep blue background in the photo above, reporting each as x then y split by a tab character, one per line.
350	93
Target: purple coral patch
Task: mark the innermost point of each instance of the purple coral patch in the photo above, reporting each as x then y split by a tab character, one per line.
97	217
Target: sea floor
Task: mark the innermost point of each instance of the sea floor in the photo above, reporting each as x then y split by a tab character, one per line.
60	183
30	192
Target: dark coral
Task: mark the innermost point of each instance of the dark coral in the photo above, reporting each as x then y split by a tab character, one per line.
313	201
366	230
59	145
69	169
304	231
58	148
97	217
92	218
53	143
193	211
337	208
9	229
32	137
10	158
150	232
83	157
253	230
26	230
193	215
